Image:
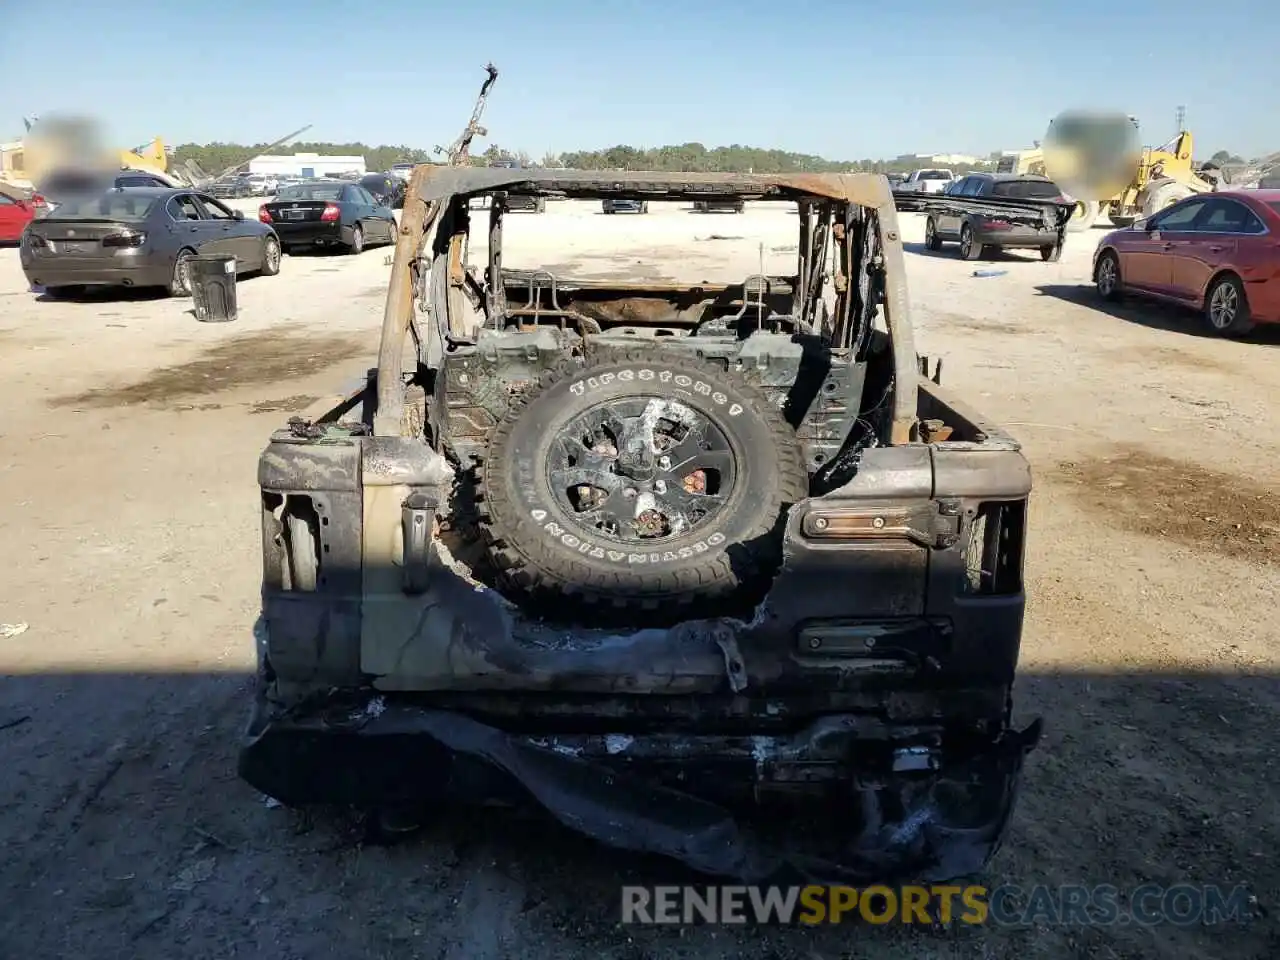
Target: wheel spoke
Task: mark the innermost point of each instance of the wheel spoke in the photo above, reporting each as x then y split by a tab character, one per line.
689	504
640	469
686	457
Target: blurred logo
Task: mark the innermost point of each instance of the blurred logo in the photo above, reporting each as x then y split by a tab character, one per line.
1092	155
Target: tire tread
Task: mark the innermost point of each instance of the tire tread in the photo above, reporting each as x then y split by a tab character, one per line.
524	566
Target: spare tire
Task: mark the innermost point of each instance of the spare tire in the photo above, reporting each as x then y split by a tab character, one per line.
643	482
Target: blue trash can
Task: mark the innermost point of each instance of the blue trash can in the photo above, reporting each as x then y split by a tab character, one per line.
213	288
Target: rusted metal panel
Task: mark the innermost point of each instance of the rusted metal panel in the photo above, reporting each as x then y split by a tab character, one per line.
863	189
430	188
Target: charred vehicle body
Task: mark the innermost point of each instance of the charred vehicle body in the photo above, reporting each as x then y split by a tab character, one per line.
650	556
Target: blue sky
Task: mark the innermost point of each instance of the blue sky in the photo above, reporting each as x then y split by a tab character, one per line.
844	80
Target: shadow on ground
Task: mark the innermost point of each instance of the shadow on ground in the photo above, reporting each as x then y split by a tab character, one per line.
951	251
1156	316
127	834
91	295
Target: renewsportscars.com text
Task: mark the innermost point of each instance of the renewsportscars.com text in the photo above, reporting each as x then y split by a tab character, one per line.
1008	905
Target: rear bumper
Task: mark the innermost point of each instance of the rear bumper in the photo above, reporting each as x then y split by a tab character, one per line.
300	233
885	810
1015	237
64	272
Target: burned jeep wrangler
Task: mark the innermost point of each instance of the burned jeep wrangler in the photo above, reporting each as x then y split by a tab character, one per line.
653	557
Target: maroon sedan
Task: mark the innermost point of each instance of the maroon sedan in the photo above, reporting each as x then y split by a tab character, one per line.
1216	252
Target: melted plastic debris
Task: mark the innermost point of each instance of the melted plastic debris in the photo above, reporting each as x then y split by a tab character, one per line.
618	742
760	748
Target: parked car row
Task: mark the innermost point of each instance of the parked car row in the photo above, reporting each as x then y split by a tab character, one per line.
139	229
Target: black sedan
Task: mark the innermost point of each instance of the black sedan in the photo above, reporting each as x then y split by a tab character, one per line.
140	237
328	213
232	188
386	189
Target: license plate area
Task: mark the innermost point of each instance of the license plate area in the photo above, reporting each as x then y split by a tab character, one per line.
294	214
76	246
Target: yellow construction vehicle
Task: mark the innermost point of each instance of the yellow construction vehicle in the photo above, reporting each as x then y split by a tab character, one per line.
1022	161
150	156
1099	160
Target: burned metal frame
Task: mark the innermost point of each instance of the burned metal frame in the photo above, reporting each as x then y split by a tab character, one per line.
874	676
433	189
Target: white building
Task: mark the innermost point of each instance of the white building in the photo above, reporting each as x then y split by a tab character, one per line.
942	159
306	165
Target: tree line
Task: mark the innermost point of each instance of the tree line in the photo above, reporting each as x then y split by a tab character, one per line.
216	157
676	158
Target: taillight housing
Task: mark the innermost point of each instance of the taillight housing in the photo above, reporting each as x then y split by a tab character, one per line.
264	214
127	239
331	212
37	200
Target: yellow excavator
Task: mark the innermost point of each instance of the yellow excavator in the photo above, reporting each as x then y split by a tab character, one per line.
1099	160
151	157
1022	161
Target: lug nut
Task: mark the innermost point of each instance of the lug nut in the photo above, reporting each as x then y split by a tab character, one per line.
664	463
878	522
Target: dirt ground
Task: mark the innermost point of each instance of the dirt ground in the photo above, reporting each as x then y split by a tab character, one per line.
131	549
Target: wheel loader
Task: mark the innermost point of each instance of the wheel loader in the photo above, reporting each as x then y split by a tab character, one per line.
1099	159
1022	161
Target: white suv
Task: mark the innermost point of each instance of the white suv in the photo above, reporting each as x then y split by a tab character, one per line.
927	181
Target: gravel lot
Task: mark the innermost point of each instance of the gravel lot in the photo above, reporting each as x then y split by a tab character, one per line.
127	474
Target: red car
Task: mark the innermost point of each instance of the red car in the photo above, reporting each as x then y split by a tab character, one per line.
1216	252
15	214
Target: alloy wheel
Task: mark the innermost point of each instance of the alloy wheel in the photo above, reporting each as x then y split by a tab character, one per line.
1224	305
1107	276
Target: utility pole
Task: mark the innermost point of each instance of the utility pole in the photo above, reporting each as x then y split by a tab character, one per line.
1182	119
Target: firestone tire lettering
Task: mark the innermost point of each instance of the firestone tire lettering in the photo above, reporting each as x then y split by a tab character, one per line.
585	386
